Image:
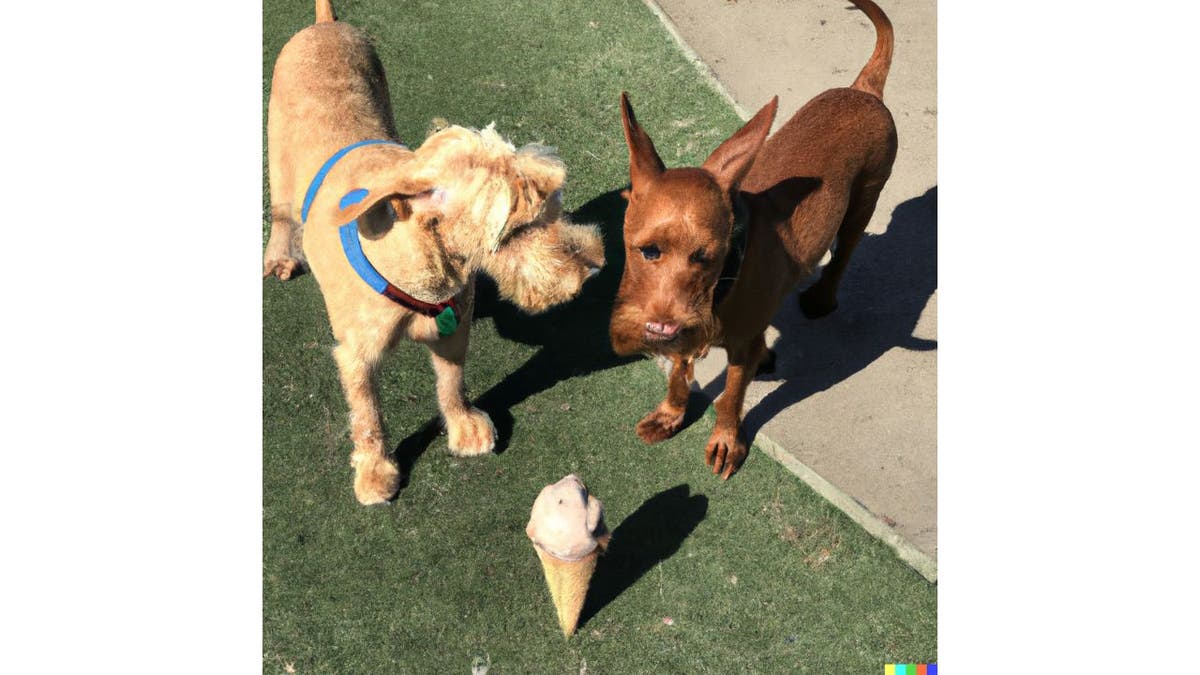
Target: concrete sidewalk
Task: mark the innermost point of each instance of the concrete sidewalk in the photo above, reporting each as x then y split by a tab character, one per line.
851	407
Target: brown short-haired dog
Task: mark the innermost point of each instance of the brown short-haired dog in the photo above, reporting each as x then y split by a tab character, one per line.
818	178
394	236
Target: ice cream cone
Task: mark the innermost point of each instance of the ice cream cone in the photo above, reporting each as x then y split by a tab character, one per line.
568	581
566	526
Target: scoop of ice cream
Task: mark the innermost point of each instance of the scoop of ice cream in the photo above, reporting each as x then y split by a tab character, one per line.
566	521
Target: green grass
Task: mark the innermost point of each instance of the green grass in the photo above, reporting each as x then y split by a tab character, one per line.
758	574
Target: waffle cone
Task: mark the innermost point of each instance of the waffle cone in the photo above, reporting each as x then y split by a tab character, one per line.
568	581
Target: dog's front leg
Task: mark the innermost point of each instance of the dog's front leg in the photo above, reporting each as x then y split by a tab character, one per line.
376	477
664	421
726	448
278	259
469	430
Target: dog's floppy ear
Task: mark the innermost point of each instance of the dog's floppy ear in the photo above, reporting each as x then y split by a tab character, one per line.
379	217
541	168
377	209
644	162
733	158
431	200
540	176
414	191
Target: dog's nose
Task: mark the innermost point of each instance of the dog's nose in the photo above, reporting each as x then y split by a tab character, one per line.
663	329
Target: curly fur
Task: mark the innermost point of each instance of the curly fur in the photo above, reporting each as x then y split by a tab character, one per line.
463	202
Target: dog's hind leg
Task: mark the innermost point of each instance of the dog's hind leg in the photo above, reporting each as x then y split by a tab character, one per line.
820	299
376	477
280	257
662	422
469	430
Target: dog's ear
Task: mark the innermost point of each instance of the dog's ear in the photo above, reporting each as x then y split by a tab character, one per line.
537	187
541	169
644	162
426	202
733	158
376	211
375	189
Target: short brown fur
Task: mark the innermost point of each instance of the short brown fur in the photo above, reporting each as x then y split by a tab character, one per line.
816	181
465	201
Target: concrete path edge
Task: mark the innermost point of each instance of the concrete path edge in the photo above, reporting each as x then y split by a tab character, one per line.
922	563
702	67
919	561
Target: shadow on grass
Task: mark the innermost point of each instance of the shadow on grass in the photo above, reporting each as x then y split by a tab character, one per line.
411	448
648	536
889	281
573	337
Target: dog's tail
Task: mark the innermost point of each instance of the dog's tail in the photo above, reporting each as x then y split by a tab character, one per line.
874	74
325	11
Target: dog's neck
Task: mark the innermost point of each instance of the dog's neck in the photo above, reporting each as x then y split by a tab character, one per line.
319	178
736	250
445	314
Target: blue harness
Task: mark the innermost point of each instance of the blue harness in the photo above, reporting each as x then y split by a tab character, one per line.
445	314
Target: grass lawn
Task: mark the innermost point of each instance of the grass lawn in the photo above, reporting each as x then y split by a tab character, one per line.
758	574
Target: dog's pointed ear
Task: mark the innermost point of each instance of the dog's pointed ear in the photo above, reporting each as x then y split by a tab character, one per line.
644	162
730	162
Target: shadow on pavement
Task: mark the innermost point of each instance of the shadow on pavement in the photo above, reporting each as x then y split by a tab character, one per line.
887	285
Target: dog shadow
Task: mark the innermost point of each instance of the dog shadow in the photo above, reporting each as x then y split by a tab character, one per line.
887	285
573	337
650	535
411	448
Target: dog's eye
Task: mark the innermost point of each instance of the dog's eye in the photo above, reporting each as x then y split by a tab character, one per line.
699	256
650	252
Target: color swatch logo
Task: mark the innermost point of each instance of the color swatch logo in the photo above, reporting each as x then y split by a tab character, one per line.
910	669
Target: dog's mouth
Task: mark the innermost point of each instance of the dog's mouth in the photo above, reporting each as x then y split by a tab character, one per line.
636	329
660	332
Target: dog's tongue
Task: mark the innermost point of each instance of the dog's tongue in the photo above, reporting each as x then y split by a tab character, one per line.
565	520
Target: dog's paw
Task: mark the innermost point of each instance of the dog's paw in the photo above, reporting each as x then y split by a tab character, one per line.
376	480
816	303
725	452
283	267
471	434
659	425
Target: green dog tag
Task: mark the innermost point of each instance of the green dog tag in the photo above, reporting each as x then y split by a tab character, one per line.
447	322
